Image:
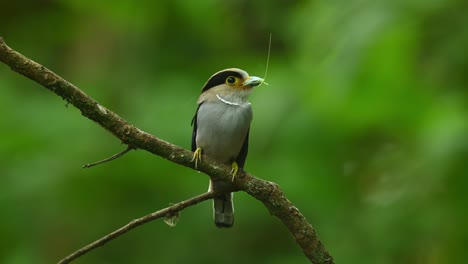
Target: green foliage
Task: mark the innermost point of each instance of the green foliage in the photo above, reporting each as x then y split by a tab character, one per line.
364	126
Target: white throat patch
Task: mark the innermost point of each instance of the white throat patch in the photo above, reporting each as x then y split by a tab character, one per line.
226	101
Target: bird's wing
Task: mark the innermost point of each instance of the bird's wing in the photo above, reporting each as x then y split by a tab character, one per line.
194	133
243	152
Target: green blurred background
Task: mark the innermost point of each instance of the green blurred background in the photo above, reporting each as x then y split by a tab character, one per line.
363	125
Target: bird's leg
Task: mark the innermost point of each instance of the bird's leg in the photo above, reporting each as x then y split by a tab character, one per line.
197	156
234	170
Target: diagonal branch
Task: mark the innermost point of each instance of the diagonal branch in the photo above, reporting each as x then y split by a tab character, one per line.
166	212
268	193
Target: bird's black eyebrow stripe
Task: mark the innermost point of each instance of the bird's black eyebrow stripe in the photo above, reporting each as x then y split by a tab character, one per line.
220	78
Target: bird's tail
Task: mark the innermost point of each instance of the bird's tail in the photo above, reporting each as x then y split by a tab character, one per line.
223	207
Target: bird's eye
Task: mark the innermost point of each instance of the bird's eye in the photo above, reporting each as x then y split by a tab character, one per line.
231	80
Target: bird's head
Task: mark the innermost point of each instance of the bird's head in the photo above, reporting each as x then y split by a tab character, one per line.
232	80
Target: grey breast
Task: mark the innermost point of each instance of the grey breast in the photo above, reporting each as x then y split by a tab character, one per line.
222	128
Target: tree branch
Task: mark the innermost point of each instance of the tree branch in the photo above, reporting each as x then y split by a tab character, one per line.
166	212
268	193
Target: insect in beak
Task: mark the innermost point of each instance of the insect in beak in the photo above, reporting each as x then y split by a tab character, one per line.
253	81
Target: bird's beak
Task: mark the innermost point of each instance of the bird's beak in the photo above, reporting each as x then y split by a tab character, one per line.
253	81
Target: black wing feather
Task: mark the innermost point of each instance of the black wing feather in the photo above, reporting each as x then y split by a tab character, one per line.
194	133
244	150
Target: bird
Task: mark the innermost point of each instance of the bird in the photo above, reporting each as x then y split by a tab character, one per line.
221	127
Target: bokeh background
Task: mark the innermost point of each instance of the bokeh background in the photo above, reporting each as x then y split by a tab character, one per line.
363	125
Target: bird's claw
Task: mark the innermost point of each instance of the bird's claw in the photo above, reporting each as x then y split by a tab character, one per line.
234	170
197	156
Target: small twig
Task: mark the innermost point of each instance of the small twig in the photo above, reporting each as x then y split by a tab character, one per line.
111	158
168	211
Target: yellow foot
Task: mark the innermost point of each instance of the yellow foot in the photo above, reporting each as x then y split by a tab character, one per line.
234	170
197	156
